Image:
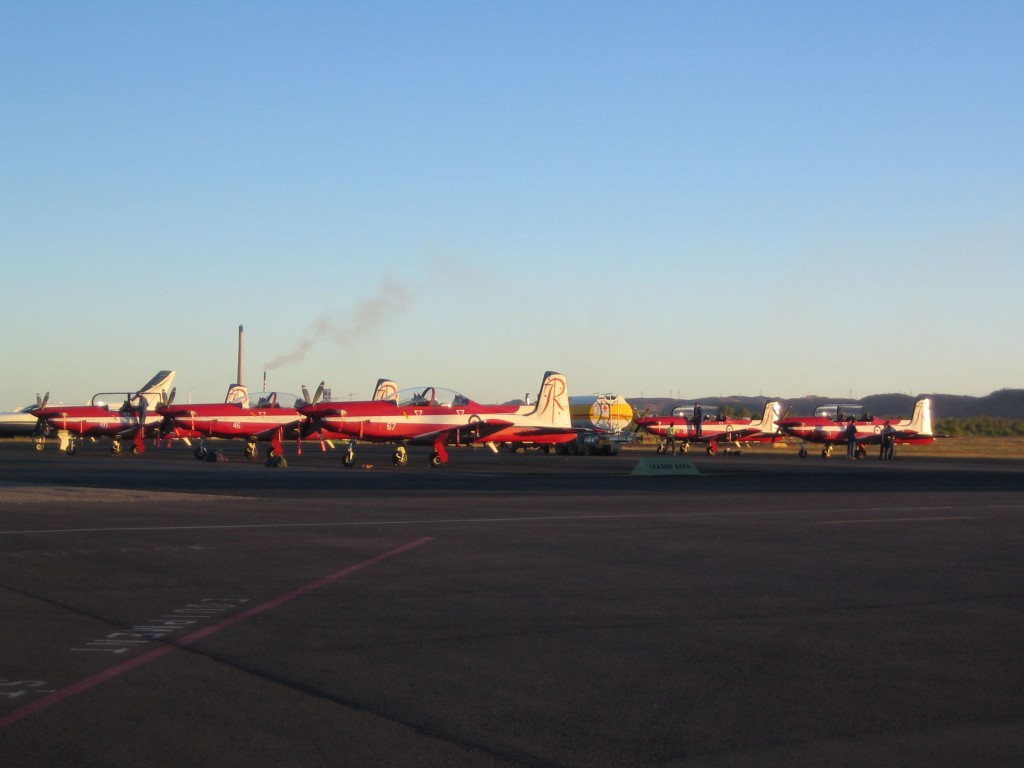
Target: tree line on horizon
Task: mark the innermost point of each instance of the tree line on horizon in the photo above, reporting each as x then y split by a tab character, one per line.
980	426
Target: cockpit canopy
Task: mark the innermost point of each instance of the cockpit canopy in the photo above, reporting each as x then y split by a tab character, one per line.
436	396
682	412
686	412
842	411
275	400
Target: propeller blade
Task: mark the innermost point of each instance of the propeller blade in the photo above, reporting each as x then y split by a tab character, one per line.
319	393
41	403
307	428
778	429
170	397
305	394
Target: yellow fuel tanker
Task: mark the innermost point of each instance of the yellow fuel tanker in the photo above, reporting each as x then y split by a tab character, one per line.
603	422
610	413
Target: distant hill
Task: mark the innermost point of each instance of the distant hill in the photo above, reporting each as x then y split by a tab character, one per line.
1006	404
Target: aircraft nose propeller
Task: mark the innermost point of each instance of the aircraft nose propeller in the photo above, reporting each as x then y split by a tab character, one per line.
310	423
316	397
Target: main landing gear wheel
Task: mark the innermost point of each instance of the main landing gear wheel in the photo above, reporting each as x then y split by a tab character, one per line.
136	451
40	446
435	459
802	453
115	448
349	458
250	450
400	457
200	452
72	448
826	451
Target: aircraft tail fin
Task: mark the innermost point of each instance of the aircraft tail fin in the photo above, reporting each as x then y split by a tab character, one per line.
921	421
238	393
772	412
552	406
385	390
157	388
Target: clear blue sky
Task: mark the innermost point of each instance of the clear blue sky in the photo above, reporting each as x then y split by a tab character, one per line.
655	198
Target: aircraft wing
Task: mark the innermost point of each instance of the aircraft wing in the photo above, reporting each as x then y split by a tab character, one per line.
538	431
269	432
903	434
480	427
485	429
867	439
733	436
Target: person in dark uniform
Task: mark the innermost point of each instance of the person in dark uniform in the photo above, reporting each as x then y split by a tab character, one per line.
698	420
851	439
888	442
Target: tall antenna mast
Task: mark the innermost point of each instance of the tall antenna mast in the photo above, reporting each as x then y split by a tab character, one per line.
241	355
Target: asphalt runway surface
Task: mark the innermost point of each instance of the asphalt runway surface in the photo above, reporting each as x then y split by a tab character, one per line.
509	610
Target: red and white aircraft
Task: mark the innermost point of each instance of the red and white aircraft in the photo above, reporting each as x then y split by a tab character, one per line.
442	417
714	432
829	423
262	417
133	417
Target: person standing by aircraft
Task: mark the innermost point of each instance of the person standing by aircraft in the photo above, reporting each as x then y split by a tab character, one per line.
851	439
142	407
888	442
698	420
670	438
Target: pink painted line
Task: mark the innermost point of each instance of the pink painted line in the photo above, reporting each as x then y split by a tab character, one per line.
101	677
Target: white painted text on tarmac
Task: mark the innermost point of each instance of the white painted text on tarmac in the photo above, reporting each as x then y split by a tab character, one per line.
161	626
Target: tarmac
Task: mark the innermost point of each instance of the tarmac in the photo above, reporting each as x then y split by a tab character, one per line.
509	610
